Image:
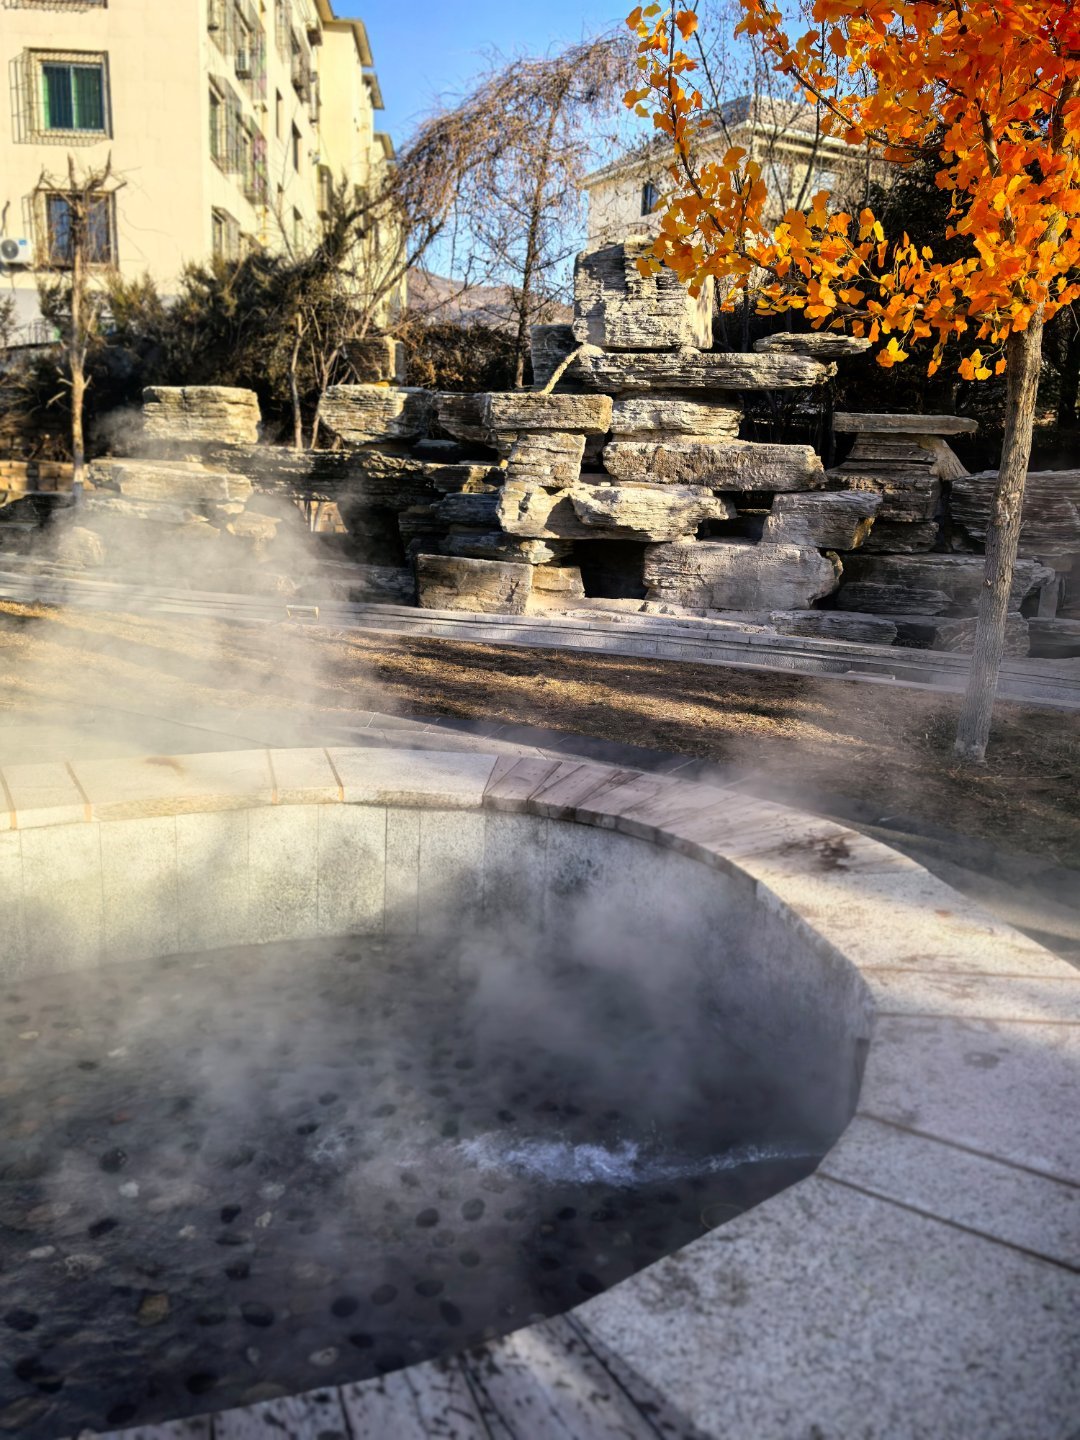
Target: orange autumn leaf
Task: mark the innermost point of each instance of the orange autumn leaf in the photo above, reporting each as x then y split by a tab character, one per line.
993	86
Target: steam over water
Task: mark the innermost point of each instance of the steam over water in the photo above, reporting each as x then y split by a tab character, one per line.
228	1177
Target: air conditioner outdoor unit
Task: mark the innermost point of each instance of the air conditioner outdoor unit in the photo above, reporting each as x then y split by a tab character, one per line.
243	64
16	252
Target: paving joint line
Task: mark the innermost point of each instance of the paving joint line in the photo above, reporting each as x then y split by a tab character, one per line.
1067	1265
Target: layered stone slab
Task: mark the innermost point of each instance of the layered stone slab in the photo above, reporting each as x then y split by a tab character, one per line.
177	481
645	512
1050	520
957	634
899	537
737	575
462	416
649	510
906	472
925	585
618	307
835	625
549	345
19	478
830	520
724	465
374	584
553	584
849	423
697	370
395	482
546	458
495	544
222	414
478	508
370	476
1055	636
671	417
368	414
446	582
817	344
525	410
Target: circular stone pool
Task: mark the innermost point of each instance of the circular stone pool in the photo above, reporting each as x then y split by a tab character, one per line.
256	1171
570	1031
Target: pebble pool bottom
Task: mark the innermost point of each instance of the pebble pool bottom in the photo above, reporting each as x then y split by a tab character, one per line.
240	1175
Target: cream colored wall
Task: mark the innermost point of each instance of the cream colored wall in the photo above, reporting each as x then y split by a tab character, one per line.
161	59
615	196
154	70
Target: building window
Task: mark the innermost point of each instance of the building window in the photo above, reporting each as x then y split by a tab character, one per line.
279	114
224	235
282	26
297	229
296	144
650	197
326	190
59	230
72	95
217	128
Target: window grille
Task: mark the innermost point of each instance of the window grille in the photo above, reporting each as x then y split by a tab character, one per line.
54	4
282	27
66	96
56	230
217	24
301	67
225	235
218	141
260	171
650	197
258	66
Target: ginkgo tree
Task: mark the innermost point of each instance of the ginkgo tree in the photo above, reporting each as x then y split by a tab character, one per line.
991	90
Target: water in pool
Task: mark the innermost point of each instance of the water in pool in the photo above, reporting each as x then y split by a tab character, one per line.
234	1176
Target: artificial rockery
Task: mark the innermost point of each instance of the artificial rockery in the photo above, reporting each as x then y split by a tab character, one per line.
628	485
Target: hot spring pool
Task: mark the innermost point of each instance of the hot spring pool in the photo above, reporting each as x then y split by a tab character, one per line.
248	1173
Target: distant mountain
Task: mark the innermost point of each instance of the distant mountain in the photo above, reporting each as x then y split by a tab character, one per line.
445	299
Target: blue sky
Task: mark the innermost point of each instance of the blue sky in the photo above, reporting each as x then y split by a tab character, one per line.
427	48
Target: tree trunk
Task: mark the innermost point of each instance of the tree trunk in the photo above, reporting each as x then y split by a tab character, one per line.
77	357
1002	538
294	390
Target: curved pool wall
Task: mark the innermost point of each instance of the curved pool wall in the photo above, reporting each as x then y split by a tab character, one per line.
924	1277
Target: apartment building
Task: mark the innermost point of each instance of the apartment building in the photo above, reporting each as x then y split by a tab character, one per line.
227	122
783	136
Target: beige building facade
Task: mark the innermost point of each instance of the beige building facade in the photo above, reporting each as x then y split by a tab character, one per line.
782	136
227	122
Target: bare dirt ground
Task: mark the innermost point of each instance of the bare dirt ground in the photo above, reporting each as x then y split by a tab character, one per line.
890	747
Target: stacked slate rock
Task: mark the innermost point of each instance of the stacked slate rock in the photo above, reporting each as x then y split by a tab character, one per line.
630	480
1049	534
909	570
203	505
192	416
187	522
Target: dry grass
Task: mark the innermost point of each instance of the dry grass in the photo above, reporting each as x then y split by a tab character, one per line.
888	745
